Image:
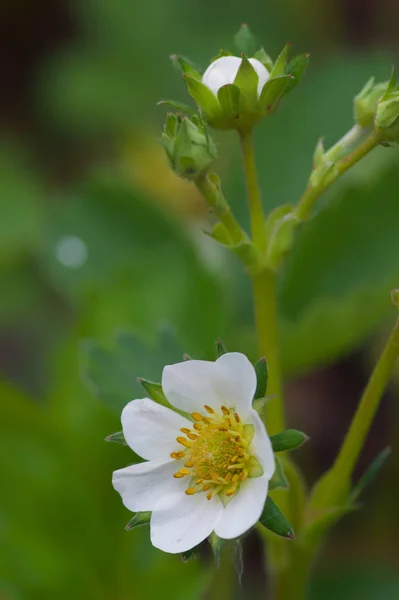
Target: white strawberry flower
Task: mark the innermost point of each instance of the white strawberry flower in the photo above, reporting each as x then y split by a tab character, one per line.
209	474
223	71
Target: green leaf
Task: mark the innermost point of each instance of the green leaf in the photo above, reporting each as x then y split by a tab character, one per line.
371	473
290	439
245	41
140	518
117	438
229	98
112	374
297	68
273	519
278	480
180	106
220	349
261	378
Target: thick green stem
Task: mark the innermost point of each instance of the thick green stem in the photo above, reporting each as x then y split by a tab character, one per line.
360	426
215	199
312	193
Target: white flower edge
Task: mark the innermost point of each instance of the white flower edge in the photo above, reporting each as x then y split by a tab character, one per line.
224	70
180	522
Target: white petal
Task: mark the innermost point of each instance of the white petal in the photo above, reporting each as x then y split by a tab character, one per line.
224	70
141	486
244	509
189	385
151	429
221	72
180	522
261	446
235	382
262	72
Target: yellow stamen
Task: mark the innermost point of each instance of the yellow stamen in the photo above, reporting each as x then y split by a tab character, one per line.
190	491
197	426
209	496
178	475
188	463
209	409
184	442
184	430
206	487
225	410
191	436
237	418
177	455
185	471
233	460
196	416
230	492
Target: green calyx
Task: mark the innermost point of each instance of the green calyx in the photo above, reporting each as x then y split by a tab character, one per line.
365	103
189	148
242	102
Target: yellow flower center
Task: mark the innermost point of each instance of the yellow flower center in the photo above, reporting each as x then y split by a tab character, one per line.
216	453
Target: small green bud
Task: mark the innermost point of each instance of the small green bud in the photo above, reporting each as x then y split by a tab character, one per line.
387	115
189	148
365	103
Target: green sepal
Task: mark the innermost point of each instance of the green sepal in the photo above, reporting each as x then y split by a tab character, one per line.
245	41
220	349
274	520
247	81
222	53
318	155
281	240
216	544
155	392
290	439
190	554
180	106
371	473
261	378
278	480
254	467
297	68
275	216
264	58
205	99
279	67
117	438
140	518
245	250
259	405
184	65
229	99
272	92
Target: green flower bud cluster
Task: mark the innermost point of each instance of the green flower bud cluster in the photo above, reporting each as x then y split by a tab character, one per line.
189	148
387	115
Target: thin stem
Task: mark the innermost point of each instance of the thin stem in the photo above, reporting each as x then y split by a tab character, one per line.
360	426
214	197
312	193
265	301
253	192
264	288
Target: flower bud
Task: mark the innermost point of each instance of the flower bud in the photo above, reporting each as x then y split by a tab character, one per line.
189	148
365	103
387	116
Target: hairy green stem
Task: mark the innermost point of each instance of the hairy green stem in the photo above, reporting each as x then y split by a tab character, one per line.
312	193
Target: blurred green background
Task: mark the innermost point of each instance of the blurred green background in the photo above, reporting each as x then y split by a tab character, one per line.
105	275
